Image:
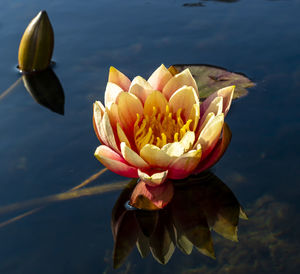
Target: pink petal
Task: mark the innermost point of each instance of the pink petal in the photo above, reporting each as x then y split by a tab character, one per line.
152	198
218	151
159	78
114	162
226	93
154	179
118	78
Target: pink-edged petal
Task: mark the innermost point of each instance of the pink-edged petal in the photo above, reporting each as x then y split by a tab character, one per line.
226	93
183	78
210	134
118	78
111	93
155	179
185	164
160	77
184	98
152	197
132	157
218	151
128	107
140	88
155	99
114	162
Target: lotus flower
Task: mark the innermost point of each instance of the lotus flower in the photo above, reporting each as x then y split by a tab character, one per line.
157	129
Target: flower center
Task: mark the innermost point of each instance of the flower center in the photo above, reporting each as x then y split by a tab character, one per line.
159	128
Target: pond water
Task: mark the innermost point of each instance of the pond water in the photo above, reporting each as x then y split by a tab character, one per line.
44	153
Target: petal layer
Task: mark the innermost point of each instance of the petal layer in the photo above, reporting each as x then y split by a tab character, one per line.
117	77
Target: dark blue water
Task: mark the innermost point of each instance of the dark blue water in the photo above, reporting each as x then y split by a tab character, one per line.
44	153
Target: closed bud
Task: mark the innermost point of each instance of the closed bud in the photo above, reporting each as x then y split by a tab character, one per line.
36	47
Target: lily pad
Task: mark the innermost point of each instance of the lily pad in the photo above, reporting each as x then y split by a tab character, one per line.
210	78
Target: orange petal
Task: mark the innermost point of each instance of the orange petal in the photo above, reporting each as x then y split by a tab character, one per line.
128	106
111	93
181	79
159	78
140	88
218	151
132	157
152	198
155	99
118	78
114	162
184	98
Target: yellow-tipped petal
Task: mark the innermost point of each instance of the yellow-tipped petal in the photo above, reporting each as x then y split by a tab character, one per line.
140	88
160	77
132	157
155	99
36	46
118	78
154	156
184	98
111	93
128	106
183	78
153	180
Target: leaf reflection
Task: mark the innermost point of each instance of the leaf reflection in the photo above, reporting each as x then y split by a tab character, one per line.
200	204
45	88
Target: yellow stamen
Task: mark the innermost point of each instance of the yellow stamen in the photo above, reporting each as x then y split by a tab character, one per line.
160	128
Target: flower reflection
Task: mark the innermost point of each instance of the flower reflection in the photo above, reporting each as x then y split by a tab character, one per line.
45	89
200	203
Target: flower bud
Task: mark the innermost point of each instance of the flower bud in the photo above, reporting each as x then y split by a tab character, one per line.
36	47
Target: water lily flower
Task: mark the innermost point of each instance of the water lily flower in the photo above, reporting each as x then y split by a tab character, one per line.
157	130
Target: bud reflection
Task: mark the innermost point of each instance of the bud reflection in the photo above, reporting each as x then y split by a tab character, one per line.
200	203
45	88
